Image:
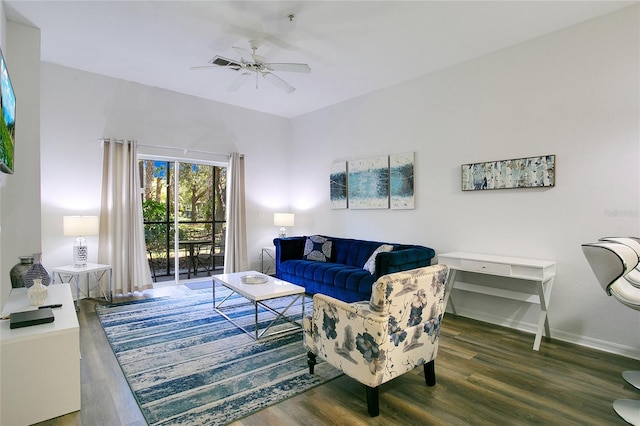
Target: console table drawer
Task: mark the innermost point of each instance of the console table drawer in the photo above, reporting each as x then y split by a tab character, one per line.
485	267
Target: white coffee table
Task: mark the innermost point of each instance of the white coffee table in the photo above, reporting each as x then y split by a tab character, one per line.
259	295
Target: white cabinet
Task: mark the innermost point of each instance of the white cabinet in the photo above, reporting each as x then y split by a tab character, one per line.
541	272
40	364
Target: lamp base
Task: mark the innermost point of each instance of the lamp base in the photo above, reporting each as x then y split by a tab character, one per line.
80	253
283	233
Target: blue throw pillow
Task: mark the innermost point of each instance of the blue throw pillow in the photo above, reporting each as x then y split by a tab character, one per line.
317	248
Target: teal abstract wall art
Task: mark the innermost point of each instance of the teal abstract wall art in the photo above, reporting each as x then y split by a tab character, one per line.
401	181
368	183
338	185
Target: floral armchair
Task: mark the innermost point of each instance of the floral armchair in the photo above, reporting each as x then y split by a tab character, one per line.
375	341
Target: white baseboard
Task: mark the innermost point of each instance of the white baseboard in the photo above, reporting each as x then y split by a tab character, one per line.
602	345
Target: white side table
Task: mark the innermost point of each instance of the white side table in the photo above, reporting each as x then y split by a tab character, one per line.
268	260
40	364
72	275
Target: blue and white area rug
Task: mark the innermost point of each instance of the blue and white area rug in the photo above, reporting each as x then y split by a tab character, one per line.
187	365
199	285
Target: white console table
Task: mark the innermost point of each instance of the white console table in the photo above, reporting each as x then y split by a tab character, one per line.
541	272
40	364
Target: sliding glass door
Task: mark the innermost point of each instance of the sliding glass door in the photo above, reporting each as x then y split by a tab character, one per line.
184	214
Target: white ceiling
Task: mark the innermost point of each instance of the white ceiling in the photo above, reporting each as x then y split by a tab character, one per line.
353	47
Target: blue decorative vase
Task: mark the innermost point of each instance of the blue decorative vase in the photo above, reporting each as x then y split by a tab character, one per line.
37	271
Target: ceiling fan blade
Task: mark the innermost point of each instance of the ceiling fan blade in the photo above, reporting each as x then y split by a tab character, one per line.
225	62
244	54
278	82
289	67
238	82
208	67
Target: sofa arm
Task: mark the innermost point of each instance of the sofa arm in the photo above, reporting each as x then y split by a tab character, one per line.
403	258
288	248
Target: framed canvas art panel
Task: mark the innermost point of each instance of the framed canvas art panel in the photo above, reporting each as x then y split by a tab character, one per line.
368	183
401	181
529	172
8	119
338	185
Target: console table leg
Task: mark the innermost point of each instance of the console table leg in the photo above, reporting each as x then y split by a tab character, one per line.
543	322
449	286
536	342
547	297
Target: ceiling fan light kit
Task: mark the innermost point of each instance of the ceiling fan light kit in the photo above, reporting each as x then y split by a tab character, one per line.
251	62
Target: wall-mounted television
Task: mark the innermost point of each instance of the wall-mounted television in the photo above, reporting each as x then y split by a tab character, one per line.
8	119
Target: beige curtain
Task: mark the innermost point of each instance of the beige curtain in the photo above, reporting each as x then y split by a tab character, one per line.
121	228
235	251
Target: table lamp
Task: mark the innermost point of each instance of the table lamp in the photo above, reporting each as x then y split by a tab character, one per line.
282	220
80	226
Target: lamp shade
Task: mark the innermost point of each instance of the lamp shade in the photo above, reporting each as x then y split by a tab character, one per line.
283	219
79	226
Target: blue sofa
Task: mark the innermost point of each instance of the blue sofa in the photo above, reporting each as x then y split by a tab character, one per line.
342	274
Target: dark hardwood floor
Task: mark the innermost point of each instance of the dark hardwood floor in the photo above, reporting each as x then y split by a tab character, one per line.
486	375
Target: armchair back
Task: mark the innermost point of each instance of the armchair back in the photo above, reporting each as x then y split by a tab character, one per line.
395	332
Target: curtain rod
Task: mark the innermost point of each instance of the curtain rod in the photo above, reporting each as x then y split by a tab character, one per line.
184	150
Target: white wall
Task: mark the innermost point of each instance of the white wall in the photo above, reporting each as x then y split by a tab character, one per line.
20	209
4	288
3	26
78	108
573	93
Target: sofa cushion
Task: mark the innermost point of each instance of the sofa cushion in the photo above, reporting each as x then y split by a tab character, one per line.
327	275
370	265
317	248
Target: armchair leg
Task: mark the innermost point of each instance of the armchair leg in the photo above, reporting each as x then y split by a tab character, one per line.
372	401
311	361
430	372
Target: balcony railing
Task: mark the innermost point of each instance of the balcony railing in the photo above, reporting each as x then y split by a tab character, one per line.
200	252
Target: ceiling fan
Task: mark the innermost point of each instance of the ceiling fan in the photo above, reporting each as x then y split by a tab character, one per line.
251	63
